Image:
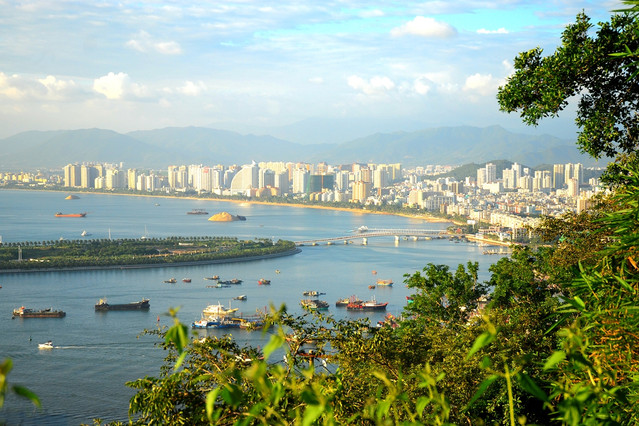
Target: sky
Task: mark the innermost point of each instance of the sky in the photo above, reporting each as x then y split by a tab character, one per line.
242	65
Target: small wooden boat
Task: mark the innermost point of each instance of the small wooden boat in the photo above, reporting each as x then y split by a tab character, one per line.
171	281
186	280
263	281
241	297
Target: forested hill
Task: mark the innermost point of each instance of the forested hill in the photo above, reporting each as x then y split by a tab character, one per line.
197	145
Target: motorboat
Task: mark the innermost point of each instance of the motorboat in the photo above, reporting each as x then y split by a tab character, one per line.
46	345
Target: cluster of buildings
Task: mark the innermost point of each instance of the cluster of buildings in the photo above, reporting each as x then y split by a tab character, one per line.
511	198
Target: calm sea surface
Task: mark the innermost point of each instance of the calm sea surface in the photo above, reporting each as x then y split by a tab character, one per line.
96	353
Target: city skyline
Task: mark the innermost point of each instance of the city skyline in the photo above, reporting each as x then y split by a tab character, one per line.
241	66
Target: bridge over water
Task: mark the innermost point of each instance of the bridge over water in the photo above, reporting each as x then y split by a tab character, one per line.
365	234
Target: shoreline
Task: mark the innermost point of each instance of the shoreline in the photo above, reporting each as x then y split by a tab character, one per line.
155	265
425	218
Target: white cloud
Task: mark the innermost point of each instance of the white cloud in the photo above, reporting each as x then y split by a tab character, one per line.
499	31
143	42
9	87
192	89
17	87
425	27
483	84
118	86
373	13
376	85
57	89
316	80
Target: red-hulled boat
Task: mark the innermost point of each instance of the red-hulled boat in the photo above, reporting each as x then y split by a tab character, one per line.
370	305
60	214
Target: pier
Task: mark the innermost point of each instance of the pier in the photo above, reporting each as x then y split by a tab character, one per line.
366	234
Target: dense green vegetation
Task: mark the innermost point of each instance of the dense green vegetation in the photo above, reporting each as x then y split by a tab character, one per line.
127	252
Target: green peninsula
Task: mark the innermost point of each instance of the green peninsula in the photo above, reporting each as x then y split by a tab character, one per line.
135	253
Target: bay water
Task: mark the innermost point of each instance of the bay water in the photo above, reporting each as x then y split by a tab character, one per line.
84	376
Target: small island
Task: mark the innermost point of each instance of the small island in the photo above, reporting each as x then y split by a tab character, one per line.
135	253
226	217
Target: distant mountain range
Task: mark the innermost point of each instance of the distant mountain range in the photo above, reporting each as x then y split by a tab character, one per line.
199	145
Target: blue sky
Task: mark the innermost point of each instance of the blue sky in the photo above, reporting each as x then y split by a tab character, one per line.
243	65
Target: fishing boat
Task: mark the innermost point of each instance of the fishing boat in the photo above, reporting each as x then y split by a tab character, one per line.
386	283
217	310
171	281
241	297
345	301
214	277
218	285
312	293
263	281
84	233
186	280
215	322
102	305
197	211
23	312
234	281
46	345
370	305
314	304
60	214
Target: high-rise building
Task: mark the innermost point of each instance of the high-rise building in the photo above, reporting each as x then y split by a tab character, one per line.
381	178
491	172
247	178
72	175
481	177
282	181
266	178
361	191
300	181
132	178
558	177
318	183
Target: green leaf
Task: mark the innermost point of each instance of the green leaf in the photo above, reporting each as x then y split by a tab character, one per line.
531	387
210	403
276	342
482	388
483	340
26	393
554	359
579	302
311	414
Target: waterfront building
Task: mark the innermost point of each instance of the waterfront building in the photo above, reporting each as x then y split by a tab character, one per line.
72	175
300	181
245	179
361	191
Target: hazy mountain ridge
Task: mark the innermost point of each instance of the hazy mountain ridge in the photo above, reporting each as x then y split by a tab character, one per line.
198	145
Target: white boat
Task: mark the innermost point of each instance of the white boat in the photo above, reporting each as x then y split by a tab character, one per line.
84	233
218	310
47	345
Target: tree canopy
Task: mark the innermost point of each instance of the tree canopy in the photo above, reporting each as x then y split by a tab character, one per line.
584	66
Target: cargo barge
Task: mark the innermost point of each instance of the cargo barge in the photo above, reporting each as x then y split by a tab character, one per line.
102	305
23	312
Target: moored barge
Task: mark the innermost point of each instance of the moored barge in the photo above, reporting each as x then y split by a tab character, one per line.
23	312
102	305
